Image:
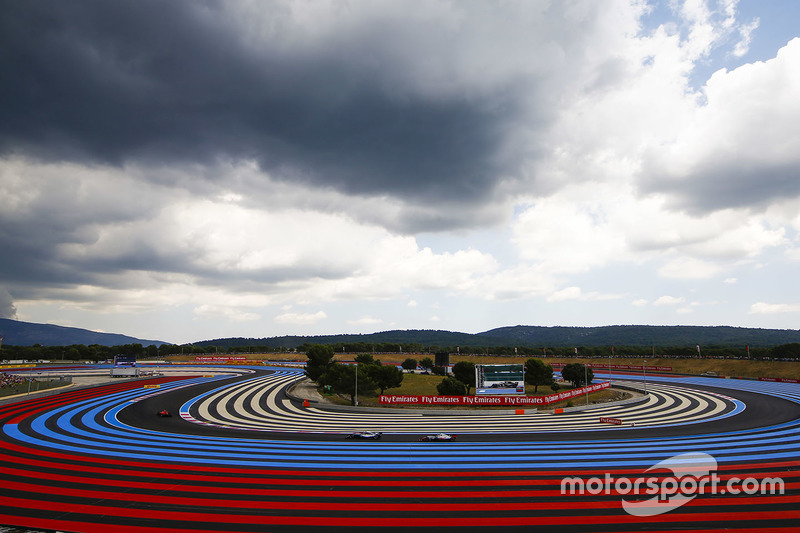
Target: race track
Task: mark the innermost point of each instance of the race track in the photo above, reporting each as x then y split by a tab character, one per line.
239	455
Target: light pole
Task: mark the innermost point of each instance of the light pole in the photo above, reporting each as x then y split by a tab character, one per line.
356	395
644	374
586	381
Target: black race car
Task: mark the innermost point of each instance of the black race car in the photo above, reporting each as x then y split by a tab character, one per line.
368	435
439	437
165	413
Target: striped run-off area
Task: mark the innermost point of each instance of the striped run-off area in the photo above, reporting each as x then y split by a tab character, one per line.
258	404
243	457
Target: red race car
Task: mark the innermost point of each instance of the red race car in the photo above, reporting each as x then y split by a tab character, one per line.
164	412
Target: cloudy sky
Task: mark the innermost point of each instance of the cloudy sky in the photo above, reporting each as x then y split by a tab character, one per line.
192	170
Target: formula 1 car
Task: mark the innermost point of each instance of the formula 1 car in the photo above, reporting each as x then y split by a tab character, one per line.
438	437
164	413
369	435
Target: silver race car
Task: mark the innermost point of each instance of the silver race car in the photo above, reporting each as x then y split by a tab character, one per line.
438	437
367	435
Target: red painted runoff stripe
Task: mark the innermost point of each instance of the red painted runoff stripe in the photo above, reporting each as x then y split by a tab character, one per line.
295	476
310	472
89	527
402	521
370	494
25	410
534	505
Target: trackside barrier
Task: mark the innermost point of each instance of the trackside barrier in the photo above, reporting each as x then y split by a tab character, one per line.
601	367
780	380
492	400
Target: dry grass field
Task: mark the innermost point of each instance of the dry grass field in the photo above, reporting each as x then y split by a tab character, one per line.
425	385
723	367
421	385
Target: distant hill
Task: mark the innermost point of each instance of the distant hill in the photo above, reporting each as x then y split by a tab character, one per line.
426	337
642	336
27	334
541	336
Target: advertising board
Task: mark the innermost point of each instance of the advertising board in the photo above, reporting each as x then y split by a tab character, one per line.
492	400
124	360
499	379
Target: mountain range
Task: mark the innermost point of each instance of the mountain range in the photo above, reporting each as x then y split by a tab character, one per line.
27	334
542	336
19	333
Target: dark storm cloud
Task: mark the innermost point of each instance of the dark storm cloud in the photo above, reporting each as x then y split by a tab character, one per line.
175	82
723	185
7	307
29	244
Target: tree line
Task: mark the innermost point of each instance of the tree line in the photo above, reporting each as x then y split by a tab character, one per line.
784	351
97	352
366	377
370	375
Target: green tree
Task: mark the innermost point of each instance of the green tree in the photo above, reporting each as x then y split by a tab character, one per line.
366	359
320	357
342	380
577	374
537	372
409	364
786	351
450	386
151	351
464	371
384	376
426	363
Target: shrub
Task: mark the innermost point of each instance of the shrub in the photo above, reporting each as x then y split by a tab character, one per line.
451	387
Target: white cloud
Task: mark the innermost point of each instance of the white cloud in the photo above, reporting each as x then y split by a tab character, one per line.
228	313
365	321
569	293
763	308
575	293
668	300
300	318
740	148
745	37
689	268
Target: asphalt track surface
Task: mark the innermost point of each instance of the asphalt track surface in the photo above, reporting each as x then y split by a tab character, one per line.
239	455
